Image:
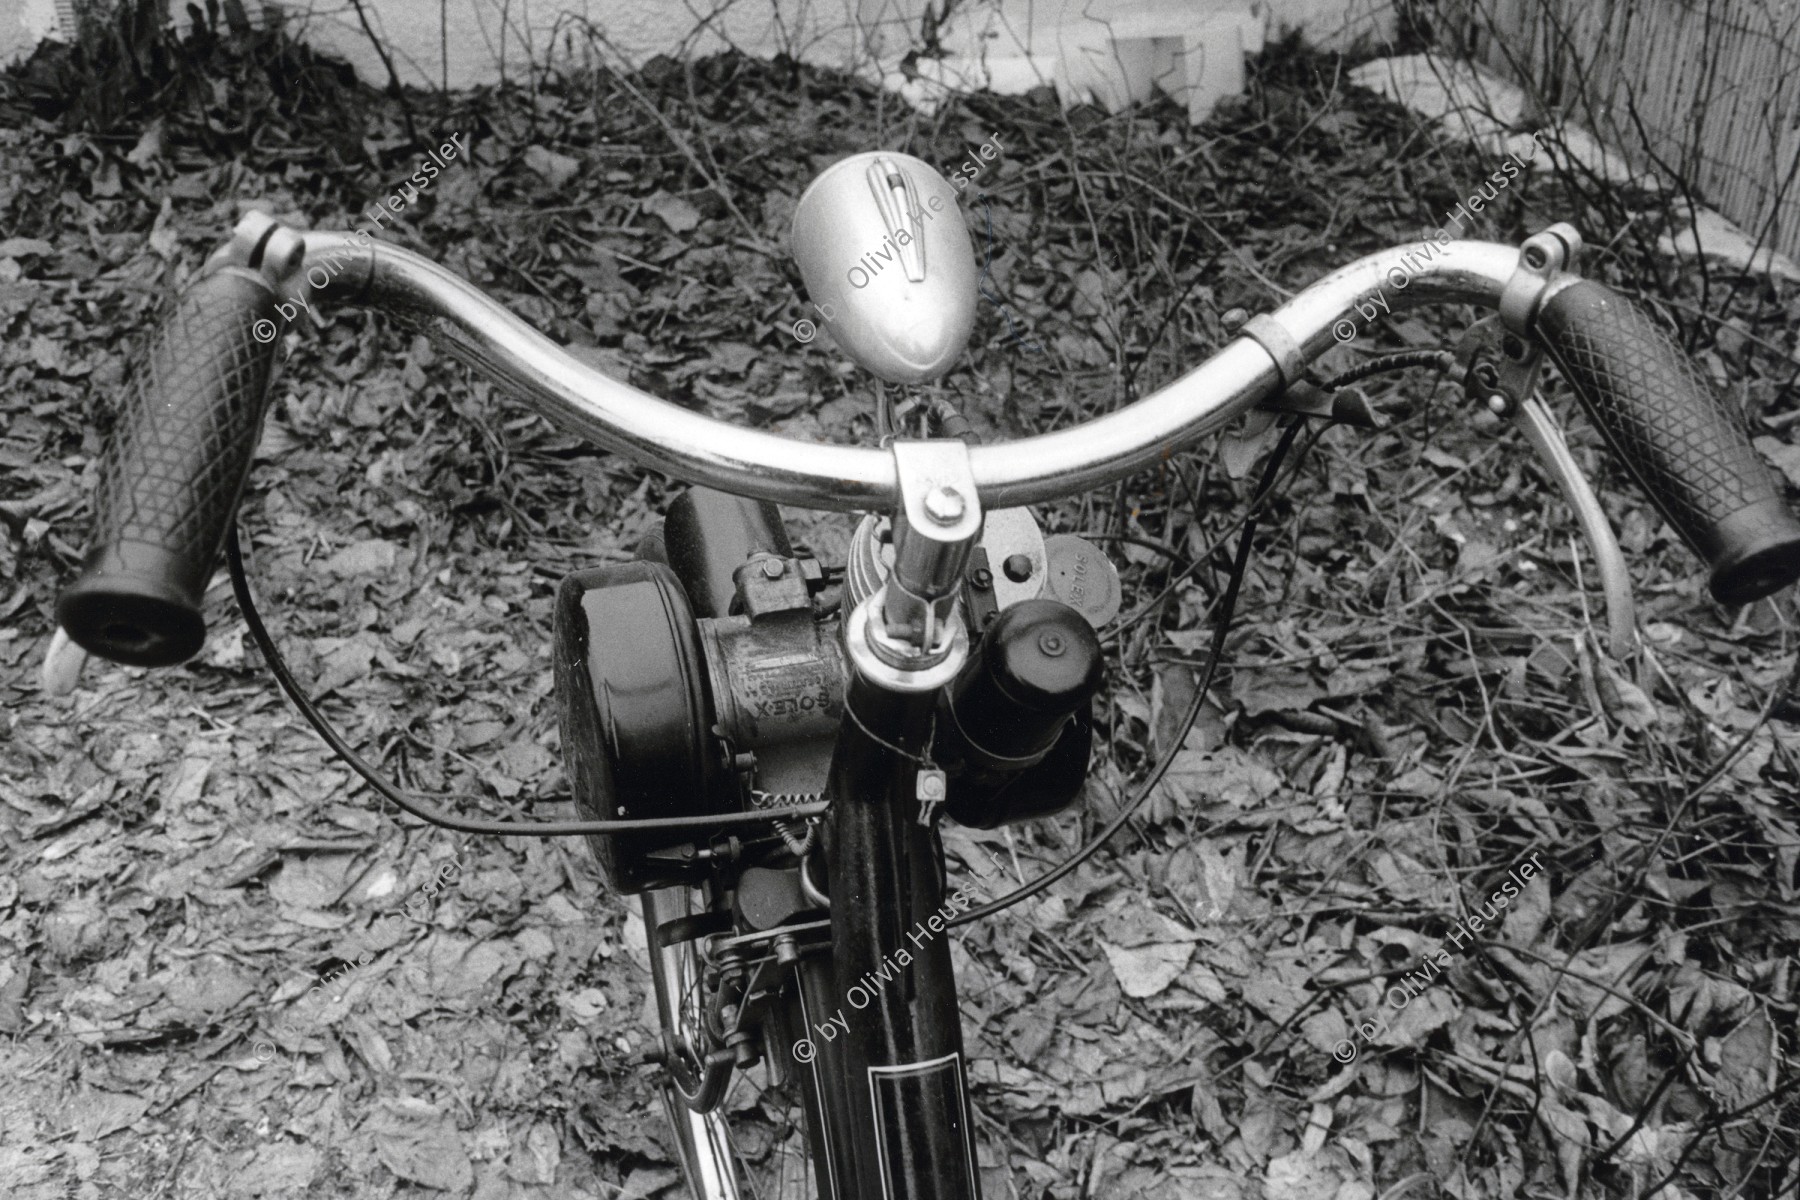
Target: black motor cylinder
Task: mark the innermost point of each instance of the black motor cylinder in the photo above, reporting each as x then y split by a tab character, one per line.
636	715
1014	729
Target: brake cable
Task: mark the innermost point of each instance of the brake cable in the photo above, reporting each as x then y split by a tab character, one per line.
1399	360
433	813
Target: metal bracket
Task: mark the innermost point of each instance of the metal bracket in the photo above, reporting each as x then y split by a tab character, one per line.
768	584
1347	405
261	243
935	529
1499	377
1273	336
1543	261
980	605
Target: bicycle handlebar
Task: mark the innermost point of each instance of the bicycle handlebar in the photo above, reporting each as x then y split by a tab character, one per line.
176	465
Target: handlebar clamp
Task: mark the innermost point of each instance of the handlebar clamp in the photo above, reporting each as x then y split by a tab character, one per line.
1547	263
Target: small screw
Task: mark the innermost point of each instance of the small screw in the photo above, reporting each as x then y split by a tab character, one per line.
773	568
931	785
982	578
1535	257
1051	643
944	505
1017	567
1234	319
1498	404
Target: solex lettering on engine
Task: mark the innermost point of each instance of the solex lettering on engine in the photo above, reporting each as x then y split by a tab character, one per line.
777	675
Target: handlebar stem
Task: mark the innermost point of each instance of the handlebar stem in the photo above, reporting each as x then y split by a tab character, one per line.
935	524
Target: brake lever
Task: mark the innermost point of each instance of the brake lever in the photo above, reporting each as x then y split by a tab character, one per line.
1540	427
63	662
1510	391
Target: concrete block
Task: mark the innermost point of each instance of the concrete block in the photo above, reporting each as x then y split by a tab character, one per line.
1255	26
1196	57
1207	66
1116	74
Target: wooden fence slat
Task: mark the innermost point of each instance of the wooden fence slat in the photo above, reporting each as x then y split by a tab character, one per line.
1716	86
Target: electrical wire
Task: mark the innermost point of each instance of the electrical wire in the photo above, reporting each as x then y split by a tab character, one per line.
1227	605
1124	621
432	813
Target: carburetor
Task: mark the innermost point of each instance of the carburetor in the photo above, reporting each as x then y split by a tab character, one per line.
777	675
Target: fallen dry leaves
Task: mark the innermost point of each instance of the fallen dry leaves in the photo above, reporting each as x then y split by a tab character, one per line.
1411	703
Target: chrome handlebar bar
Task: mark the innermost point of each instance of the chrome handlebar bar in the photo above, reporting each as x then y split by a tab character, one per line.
700	449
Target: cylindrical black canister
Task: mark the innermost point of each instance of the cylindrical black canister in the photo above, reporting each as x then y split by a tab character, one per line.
1037	666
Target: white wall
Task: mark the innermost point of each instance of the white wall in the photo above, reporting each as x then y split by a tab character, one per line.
486	40
23	23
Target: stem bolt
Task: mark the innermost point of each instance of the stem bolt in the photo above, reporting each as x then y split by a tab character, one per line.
944	505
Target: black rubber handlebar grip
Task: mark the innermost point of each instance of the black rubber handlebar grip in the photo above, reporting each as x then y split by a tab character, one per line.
172	474
1690	456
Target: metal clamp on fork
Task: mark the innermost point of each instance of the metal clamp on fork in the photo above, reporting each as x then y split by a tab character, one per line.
906	636
1508	389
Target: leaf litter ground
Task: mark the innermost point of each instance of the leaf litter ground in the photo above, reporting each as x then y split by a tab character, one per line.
1410	705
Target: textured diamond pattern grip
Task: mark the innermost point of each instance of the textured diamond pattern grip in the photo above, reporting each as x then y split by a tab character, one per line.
172	474
1690	456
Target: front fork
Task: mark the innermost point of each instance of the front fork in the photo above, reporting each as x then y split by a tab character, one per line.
893	1080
